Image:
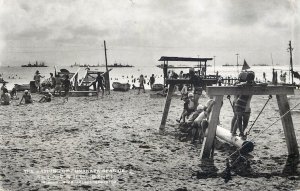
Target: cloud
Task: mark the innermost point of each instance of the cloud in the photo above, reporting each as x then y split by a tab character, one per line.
183	27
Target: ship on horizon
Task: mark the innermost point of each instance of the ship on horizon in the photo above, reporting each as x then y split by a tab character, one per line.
41	64
115	65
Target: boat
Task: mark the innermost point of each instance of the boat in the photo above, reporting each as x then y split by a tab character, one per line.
22	87
120	86
2	80
227	65
116	65
157	87
42	64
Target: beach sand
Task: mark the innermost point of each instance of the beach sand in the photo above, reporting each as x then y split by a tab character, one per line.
113	144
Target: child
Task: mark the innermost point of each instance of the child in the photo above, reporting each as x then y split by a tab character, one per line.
142	81
46	97
188	107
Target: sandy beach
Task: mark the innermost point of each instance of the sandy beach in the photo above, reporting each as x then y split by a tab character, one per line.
113	144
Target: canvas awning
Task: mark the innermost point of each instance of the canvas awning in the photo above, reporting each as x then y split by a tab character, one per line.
184	59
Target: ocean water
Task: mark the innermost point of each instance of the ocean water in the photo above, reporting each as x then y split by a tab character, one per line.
23	75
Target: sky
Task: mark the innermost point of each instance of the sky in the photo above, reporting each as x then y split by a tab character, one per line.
139	32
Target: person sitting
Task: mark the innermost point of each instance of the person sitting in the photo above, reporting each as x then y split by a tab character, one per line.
13	93
199	120
5	100
3	89
46	97
27	97
188	107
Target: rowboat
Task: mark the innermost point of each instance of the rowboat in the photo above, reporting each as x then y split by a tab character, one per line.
120	86
157	87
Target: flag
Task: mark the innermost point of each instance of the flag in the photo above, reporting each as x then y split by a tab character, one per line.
245	66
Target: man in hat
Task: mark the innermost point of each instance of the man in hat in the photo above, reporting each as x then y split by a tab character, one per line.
37	79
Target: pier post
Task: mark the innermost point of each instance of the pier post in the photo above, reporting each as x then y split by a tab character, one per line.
166	109
288	127
208	142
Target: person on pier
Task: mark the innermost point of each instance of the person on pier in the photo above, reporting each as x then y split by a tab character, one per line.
197	83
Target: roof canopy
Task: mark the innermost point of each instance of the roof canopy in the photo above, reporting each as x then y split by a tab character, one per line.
184	59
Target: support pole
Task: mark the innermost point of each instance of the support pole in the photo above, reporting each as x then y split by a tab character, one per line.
212	126
288	127
166	109
107	81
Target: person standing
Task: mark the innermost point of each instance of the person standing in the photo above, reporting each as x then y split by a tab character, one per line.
142	82
152	81
52	80
197	83
37	79
66	86
100	82
241	107
180	76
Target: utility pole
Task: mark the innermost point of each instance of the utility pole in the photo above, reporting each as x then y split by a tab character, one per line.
199	66
237	62
107	82
214	64
290	49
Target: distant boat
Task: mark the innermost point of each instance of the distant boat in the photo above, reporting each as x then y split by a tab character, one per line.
42	64
85	65
261	65
116	65
2	80
228	65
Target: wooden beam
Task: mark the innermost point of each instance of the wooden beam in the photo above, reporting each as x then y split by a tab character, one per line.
166	109
243	145
212	126
249	90
287	123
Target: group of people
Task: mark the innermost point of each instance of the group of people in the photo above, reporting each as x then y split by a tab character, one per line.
195	116
142	82
56	83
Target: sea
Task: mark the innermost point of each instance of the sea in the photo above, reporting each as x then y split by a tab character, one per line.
23	75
